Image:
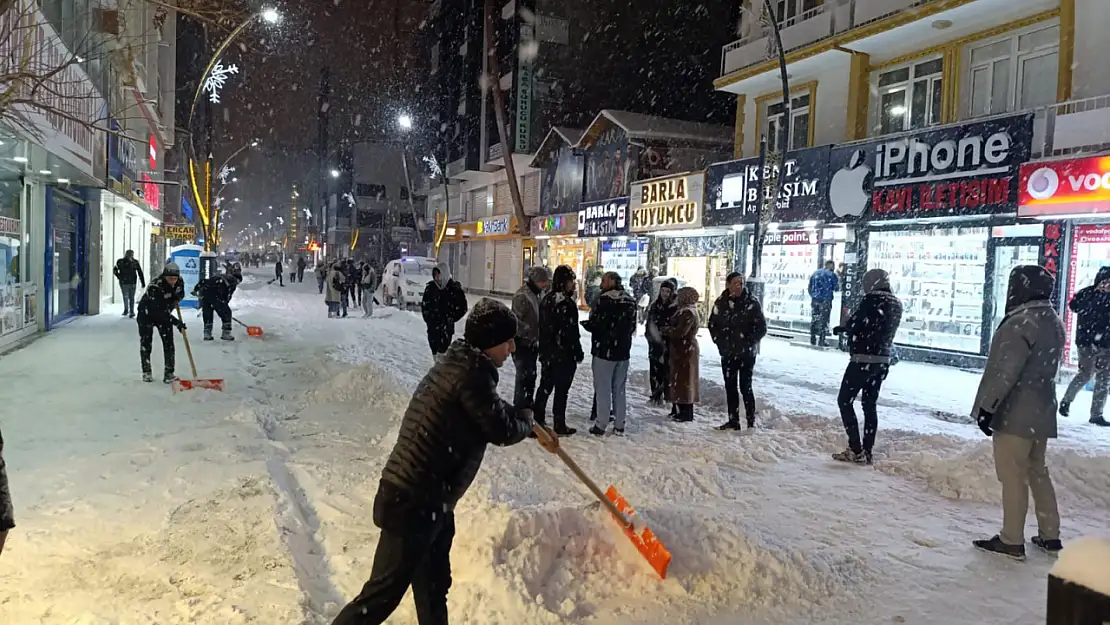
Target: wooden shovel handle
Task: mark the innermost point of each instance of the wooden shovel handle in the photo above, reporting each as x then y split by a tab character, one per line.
543	435
185	337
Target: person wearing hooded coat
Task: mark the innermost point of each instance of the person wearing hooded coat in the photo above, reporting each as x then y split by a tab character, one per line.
737	325
658	319
334	293
443	305
321	275
611	325
560	348
526	307
214	294
1016	406
1092	337
684	352
156	311
870	332
301	264
454	415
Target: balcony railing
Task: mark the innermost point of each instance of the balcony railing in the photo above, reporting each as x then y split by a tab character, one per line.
1073	127
813	26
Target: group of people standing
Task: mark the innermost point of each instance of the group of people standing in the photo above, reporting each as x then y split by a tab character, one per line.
345	283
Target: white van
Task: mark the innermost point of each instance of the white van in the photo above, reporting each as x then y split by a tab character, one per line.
404	279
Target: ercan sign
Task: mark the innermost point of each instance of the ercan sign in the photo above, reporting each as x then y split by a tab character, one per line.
970	169
672	203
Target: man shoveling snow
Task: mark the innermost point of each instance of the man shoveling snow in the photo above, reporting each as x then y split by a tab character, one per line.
454	413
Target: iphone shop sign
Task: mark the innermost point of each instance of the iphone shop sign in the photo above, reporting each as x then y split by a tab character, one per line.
1075	187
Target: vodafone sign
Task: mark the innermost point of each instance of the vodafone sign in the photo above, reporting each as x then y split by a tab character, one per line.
1075	187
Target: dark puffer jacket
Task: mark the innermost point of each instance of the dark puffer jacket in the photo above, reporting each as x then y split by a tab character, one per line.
159	301
218	288
442	307
1093	308
129	271
737	324
560	341
611	325
872	326
454	413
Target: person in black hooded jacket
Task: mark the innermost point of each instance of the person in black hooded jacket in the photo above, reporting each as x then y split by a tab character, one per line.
870	330
214	294
737	325
658	318
1092	338
443	305
560	348
454	414
156	311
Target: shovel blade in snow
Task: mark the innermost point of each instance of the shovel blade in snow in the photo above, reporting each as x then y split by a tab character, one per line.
188	385
645	541
255	331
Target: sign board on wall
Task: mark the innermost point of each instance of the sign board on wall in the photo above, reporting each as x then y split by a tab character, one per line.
1071	187
968	169
525	76
733	189
556	225
493	226
603	219
791	237
672	203
187	233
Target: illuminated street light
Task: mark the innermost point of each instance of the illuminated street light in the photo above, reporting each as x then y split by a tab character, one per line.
335	173
404	120
271	15
254	144
236	199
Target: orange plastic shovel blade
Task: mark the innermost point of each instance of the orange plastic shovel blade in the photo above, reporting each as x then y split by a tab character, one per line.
646	542
188	385
254	331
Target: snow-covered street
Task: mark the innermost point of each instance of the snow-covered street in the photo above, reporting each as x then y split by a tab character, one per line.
136	505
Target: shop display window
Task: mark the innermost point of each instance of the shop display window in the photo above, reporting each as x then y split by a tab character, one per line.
938	274
786	272
1090	251
16	297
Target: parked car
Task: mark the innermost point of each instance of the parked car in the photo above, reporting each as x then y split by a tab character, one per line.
404	279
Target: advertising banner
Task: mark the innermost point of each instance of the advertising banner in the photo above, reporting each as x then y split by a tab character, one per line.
606	218
673	203
733	190
1072	187
959	170
555	225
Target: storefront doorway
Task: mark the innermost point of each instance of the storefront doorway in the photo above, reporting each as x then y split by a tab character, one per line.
1008	254
65	256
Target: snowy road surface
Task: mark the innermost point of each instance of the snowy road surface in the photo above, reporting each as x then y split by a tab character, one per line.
135	505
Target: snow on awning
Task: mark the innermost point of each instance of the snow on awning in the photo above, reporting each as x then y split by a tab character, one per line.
651	127
557	136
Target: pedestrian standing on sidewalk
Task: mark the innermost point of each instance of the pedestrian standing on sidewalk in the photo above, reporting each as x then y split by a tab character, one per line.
354	277
334	296
321	275
658	318
454	415
156	311
279	277
870	331
128	271
1016	406
822	285
682	347
1092	338
7	513
737	325
560	348
526	307
611	325
301	264
443	305
368	284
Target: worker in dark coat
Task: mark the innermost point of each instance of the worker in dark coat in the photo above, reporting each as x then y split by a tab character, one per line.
214	294
156	311
443	305
7	515
454	414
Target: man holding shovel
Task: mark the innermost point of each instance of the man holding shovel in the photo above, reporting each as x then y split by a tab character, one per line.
156	311
453	415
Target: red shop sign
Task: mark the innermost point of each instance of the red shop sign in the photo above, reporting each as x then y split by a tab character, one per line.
1080	186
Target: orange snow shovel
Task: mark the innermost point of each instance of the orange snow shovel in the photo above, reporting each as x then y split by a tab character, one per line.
255	331
195	382
645	541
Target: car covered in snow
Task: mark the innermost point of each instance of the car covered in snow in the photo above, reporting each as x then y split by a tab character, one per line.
404	279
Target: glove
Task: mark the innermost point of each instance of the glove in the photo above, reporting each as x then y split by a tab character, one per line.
838	330
984	420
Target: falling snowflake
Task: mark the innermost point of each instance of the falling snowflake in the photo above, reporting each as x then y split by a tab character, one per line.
216	80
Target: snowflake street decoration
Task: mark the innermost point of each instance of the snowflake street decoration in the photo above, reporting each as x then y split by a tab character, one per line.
225	173
433	166
216	80
218	201
350	198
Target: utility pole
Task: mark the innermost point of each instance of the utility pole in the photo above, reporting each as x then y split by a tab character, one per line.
322	179
494	81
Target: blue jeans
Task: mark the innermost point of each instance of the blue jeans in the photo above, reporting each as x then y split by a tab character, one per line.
610	386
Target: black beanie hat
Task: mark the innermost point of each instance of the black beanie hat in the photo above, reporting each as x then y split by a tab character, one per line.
489	324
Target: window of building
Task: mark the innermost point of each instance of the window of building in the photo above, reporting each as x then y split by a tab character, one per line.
788	11
799	122
910	97
1016	72
372	191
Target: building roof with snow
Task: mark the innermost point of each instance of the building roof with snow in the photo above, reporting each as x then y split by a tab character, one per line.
651	127
556	138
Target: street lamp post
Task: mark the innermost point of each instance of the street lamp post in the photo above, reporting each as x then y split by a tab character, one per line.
404	122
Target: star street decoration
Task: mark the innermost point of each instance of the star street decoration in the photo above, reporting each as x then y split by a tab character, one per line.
225	173
216	80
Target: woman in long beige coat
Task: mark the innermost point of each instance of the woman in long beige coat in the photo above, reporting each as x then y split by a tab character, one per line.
682	339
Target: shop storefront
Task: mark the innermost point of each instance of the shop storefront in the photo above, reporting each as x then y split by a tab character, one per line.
1072	197
557	243
17	288
939	213
598	223
488	254
66	251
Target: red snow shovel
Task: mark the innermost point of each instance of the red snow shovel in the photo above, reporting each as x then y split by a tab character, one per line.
195	382
645	541
255	331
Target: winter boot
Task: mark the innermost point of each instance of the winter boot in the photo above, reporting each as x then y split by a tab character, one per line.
1051	547
597	431
208	332
995	545
169	378
751	422
564	431
1065	408
226	334
148	376
733	423
863	457
618	431
1100	421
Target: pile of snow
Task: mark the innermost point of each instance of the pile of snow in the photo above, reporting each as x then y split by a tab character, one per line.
1086	562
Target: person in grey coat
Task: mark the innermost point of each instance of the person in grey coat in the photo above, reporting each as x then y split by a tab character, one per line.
526	307
1016	406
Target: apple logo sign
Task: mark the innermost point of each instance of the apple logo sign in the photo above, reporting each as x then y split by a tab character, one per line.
1043	184
846	190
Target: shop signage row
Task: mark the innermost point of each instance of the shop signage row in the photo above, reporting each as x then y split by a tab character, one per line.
556	225
968	169
603	219
670	203
792	237
492	226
